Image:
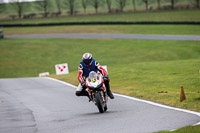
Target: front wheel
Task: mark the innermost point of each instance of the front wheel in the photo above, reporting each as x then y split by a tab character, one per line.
99	102
105	107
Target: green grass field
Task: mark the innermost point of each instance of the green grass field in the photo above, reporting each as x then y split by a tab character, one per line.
182	15
115	29
188	129
139	68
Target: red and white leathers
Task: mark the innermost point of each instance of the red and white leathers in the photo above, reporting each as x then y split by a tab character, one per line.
81	76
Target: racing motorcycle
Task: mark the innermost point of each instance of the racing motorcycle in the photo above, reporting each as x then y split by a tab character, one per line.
97	90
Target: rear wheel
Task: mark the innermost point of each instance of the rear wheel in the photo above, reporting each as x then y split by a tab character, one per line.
99	102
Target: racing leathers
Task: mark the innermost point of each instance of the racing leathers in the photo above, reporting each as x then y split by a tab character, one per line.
83	73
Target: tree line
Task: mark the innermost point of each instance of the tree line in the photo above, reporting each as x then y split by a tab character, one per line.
71	6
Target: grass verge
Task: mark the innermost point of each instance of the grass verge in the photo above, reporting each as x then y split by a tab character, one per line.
114	29
188	129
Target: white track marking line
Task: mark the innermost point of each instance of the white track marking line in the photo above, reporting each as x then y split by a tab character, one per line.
68	84
140	100
172	130
196	124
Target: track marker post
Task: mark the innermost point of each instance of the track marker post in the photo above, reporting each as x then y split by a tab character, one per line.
182	95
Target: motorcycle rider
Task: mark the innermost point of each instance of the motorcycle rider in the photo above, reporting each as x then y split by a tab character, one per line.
87	65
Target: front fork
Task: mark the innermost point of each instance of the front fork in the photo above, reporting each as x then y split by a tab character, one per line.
103	94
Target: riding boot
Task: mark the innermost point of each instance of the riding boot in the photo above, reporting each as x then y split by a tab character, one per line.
108	90
83	93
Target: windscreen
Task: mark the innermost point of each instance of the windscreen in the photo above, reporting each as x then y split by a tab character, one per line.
93	76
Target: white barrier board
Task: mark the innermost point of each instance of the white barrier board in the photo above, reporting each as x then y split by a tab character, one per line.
62	69
105	67
44	74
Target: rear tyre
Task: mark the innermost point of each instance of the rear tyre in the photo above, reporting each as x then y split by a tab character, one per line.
99	102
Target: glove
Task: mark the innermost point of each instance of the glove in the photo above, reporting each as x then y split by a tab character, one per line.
106	78
83	84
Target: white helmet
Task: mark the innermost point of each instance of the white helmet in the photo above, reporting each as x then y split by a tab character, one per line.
87	59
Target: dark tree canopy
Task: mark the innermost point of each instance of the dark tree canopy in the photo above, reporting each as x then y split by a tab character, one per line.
71	6
44	5
121	4
108	2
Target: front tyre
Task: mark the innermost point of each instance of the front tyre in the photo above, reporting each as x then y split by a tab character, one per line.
105	107
99	102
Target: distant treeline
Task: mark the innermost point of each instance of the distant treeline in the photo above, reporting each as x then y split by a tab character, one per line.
52	8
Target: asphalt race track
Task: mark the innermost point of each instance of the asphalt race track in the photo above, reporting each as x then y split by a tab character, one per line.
122	36
44	105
